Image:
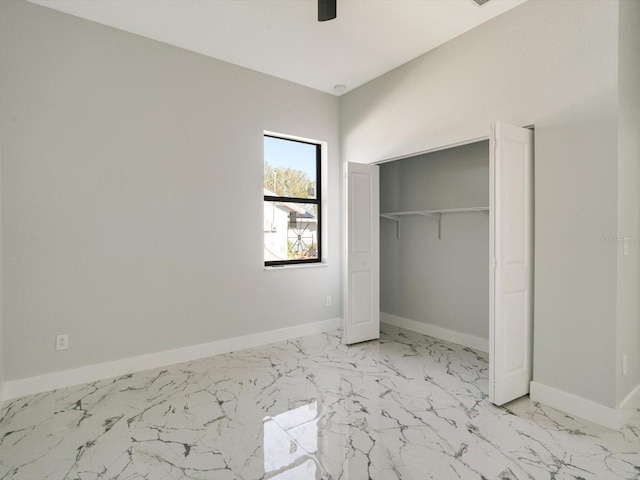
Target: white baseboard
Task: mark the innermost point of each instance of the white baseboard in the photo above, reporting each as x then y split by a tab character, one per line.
609	417
464	339
631	401
100	371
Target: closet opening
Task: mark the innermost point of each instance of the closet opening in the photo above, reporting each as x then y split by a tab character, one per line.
434	244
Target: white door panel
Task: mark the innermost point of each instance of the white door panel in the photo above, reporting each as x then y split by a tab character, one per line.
511	232
362	260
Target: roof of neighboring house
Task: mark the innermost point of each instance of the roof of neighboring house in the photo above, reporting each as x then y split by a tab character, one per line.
288	205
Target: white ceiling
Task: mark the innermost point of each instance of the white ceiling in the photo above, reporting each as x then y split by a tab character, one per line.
283	37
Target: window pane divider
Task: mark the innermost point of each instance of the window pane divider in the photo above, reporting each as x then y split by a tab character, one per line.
271	198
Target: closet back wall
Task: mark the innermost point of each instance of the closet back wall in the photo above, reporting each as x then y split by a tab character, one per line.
444	283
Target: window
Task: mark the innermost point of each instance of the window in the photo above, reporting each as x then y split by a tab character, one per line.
292	226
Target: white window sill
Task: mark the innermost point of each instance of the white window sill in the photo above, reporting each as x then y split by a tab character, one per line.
295	265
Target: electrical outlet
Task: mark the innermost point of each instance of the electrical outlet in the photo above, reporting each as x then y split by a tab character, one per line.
327	301
625	364
62	342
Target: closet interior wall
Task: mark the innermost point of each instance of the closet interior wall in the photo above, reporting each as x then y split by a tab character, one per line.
439	282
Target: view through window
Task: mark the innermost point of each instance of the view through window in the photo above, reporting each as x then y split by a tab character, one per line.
291	201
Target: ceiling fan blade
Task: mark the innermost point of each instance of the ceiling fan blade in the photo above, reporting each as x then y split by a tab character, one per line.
326	10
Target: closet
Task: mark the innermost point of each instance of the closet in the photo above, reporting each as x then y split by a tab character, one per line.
434	244
442	243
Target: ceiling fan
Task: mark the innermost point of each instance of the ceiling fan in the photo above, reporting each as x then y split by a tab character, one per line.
326	10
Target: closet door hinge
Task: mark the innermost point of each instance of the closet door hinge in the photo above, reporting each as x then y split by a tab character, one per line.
495	263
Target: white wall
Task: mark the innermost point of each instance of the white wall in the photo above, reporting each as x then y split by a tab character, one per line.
132	194
629	198
439	282
553	64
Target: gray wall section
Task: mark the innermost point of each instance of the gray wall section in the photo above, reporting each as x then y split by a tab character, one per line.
132	189
440	282
2	338
553	64
629	198
575	270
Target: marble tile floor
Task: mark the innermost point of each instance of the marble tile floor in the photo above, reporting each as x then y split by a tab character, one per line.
404	407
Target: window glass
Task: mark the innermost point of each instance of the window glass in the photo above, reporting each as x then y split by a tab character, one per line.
290	231
289	168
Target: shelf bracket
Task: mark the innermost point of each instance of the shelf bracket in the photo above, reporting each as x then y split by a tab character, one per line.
393	218
434	216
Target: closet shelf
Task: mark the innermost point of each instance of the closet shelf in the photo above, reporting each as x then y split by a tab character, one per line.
433	214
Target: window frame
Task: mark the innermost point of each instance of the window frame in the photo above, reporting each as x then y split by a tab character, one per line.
313	201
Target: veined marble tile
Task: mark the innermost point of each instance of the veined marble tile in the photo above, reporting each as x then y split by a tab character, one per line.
404	407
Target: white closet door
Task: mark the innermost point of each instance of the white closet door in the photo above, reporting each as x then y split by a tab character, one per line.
362	260
511	243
